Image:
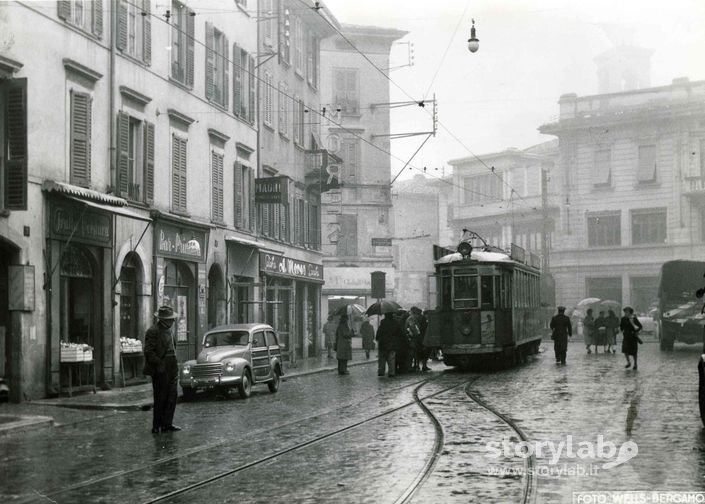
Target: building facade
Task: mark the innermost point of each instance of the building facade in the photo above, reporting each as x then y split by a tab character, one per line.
131	178
356	199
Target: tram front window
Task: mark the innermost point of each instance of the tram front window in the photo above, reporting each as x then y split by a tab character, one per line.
465	293
487	291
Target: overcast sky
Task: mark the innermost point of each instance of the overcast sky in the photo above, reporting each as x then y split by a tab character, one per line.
531	52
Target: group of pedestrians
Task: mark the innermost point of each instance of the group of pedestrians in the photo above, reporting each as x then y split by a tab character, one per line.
600	331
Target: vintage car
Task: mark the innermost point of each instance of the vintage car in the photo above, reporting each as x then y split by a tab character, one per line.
234	356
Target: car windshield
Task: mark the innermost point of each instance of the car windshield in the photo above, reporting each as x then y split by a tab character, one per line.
227	338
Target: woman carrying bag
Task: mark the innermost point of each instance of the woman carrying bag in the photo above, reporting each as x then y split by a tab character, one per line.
630	327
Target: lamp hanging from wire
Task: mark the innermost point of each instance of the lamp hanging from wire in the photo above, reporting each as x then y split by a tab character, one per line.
473	41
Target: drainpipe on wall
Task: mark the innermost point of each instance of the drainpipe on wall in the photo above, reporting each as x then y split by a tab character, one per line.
113	177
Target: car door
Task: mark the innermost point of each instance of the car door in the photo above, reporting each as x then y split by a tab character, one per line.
273	345
260	356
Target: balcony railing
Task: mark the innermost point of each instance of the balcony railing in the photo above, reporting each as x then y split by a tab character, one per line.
133	192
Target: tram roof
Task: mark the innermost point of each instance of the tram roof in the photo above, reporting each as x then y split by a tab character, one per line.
477	255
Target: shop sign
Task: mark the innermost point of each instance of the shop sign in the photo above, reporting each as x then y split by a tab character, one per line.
80	224
381	242
280	265
272	190
180	243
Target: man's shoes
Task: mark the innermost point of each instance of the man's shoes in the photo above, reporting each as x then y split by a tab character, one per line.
171	428
391	376
636	367
155	430
628	365
425	368
380	374
589	351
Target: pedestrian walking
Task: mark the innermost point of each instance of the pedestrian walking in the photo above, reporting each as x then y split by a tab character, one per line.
343	343
589	330
160	364
561	330
368	337
424	351
329	331
612	330
630	327
413	333
389	337
601	331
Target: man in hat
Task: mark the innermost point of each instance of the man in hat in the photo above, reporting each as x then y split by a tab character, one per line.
160	364
561	329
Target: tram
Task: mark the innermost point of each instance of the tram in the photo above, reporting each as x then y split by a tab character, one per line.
488	305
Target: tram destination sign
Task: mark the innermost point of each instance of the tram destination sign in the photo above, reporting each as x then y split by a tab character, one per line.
279	265
81	225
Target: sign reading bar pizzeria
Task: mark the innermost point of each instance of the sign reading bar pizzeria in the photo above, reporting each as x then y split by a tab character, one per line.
279	265
272	190
80	224
180	242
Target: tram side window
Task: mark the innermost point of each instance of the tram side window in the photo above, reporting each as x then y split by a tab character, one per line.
486	291
445	292
465	292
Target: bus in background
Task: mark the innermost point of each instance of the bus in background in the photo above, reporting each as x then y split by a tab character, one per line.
679	317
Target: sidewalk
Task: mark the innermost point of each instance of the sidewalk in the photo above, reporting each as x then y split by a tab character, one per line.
139	397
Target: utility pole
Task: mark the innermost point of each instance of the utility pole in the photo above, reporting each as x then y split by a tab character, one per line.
544	222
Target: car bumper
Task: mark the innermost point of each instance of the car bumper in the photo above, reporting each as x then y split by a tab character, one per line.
209	382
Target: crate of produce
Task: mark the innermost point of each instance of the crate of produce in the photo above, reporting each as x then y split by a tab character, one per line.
72	354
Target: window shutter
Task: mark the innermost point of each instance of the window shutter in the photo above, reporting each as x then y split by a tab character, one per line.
190	31
16	168
175	178
277	220
226	72
147	32
80	138
64	9
217	186
121	41
149	162
237	79
98	18
251	90
251	194
210	63
123	145
265	219
183	170
237	194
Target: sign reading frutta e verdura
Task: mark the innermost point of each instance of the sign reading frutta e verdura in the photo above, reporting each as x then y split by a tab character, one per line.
178	242
81	224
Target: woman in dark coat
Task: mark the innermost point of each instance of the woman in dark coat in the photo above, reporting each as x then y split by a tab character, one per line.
612	330
630	327
368	337
343	344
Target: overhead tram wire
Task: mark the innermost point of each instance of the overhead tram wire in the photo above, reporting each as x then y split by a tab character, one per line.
311	109
428	112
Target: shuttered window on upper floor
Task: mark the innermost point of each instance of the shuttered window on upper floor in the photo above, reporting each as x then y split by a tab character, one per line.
135	148
243	84
217	66
13	143
217	187
179	164
80	138
134	29
182	43
83	14
646	171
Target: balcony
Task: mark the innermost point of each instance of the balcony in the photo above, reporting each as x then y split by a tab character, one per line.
133	192
694	187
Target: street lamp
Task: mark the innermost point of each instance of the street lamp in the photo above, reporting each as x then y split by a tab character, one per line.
473	41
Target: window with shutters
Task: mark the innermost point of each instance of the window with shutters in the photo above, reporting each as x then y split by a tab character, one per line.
350	154
313	49
182	43
243	84
604	229
134	30
244	197
482	188
179	163
298	121
283	107
80	138
268	99
347	235
269	22
13	144
346	95
84	14
217	186
602	168
135	148
646	171
217	65
649	226
299	49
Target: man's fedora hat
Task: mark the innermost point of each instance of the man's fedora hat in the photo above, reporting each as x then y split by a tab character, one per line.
165	313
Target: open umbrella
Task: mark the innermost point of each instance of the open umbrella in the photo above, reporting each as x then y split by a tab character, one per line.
353	310
383	306
608	304
587	302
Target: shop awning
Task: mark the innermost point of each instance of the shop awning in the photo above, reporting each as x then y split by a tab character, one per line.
252	243
112	209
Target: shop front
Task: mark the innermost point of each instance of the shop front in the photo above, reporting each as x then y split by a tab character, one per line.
180	251
292	293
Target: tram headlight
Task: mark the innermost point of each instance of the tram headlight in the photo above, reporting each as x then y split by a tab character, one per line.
465	248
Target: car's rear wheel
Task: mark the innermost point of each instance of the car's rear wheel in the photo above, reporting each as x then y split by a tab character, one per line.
245	385
188	393
276	381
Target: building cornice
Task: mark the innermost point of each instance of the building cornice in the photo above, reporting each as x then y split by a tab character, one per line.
82	70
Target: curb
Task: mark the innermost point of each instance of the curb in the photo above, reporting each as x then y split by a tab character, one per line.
24	423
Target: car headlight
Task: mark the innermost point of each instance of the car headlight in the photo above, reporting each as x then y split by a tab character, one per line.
186	369
229	367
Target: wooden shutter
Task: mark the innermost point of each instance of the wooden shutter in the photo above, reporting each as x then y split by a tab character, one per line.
147	32
251	89
149	162
237	194
251	194
15	196
189	39
80	138
210	62
123	146
64	9
237	80
217	186
98	18
225	58
121	36
179	164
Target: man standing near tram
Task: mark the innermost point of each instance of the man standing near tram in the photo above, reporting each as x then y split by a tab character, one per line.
561	329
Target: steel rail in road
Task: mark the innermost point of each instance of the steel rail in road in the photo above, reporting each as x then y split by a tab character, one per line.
531	480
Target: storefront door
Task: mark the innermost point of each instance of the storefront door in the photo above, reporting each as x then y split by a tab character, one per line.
278	311
79	299
180	294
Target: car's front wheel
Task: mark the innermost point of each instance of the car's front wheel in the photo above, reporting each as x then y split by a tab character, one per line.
245	385
276	381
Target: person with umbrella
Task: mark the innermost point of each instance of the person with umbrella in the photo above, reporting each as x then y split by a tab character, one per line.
343	343
368	336
589	331
389	338
612	330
